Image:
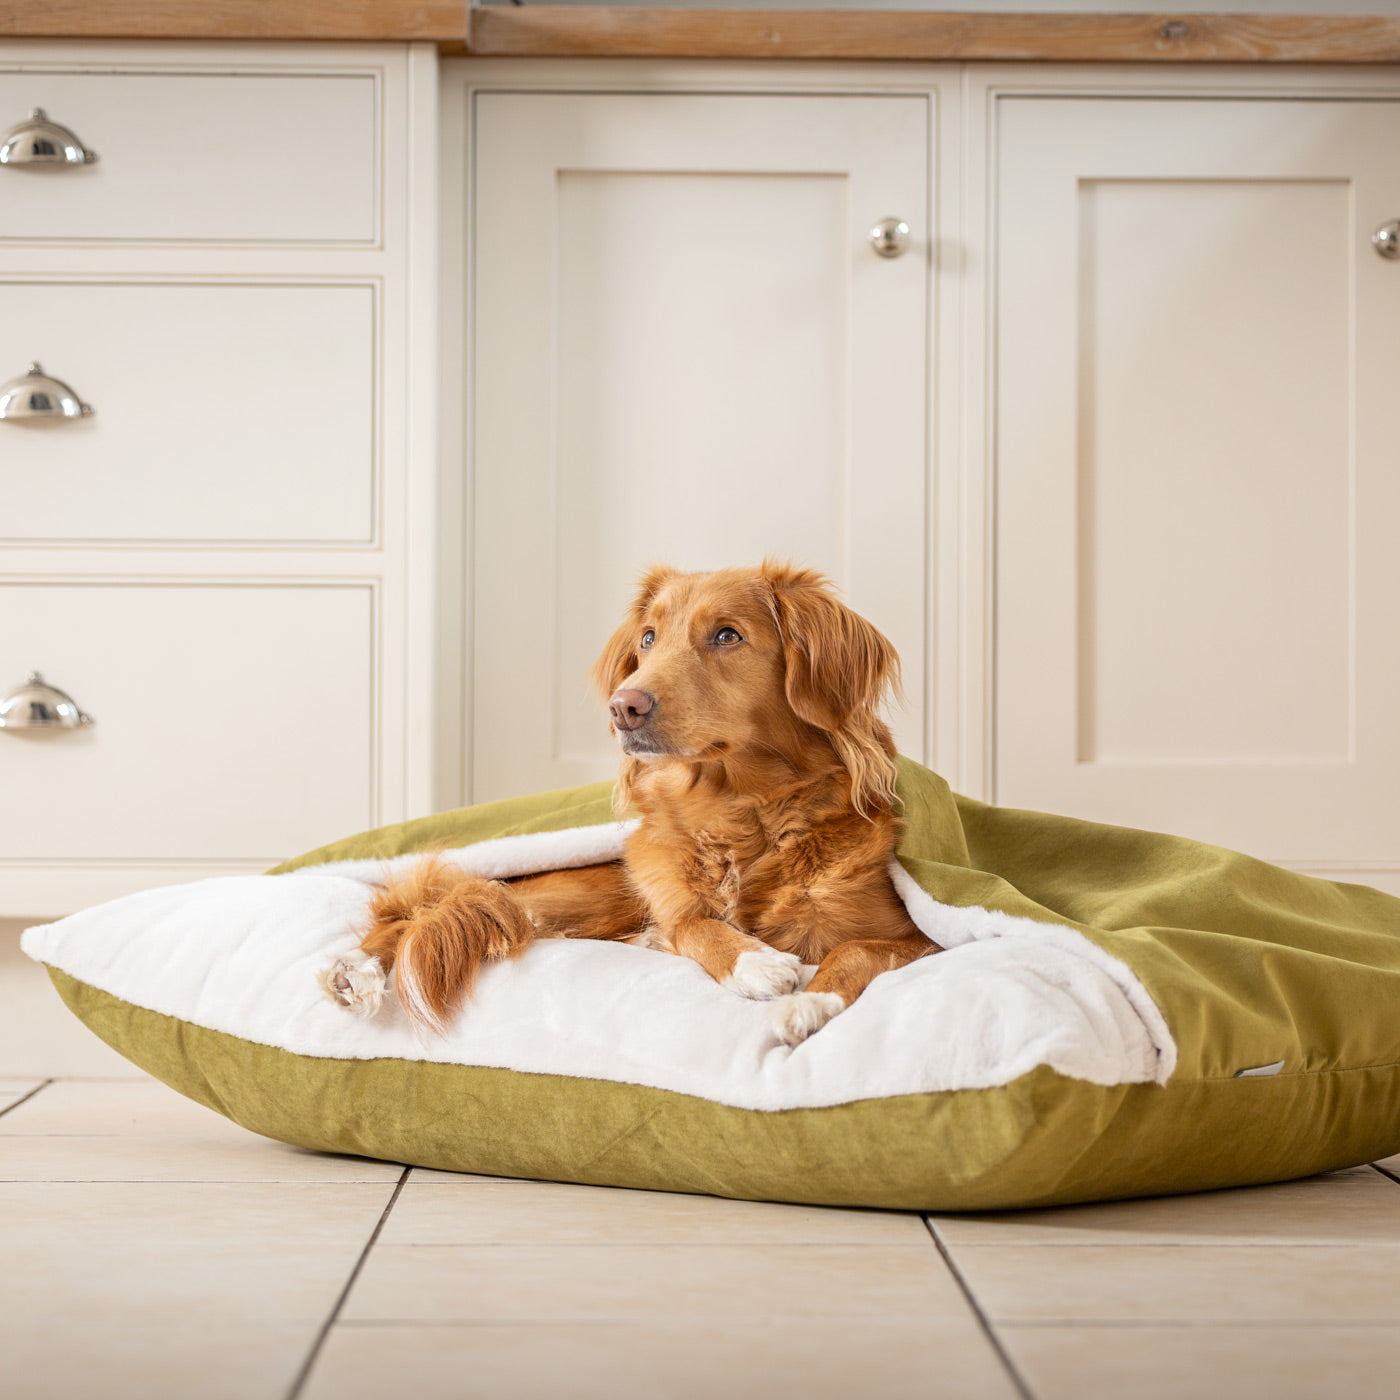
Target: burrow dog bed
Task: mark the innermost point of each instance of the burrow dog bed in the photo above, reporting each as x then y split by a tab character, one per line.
1118	1014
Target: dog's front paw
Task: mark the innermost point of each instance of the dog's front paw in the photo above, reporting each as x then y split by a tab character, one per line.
795	1017
355	983
764	973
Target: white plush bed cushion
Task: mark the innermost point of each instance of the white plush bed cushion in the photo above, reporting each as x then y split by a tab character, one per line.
241	955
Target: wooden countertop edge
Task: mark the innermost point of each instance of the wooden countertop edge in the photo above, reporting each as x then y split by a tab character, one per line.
614	32
443	22
542	31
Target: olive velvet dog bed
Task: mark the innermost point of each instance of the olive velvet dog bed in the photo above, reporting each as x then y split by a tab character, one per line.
1118	1013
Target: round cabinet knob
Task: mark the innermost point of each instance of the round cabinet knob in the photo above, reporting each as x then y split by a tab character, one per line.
36	395
38	705
1386	239
890	237
39	141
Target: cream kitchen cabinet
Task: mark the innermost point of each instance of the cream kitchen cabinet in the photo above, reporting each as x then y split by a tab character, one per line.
1196	432
1105	449
228	565
685	348
1108	452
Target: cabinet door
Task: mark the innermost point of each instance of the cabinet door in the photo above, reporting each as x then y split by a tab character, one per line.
685	350
1196	489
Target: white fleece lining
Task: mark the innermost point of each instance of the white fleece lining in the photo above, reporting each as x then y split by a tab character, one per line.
952	925
242	955
501	859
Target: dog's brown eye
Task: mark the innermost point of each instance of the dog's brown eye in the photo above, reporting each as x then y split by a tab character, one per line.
727	637
648	637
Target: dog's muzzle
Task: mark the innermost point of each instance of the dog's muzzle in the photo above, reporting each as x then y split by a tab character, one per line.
640	743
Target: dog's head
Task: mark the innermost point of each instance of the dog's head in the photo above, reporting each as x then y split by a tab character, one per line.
739	662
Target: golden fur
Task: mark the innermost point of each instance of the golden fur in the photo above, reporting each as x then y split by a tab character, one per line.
764	779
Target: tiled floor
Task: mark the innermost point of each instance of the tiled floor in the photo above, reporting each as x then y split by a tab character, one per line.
149	1248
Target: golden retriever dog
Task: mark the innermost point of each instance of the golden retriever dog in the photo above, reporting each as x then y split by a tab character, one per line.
746	706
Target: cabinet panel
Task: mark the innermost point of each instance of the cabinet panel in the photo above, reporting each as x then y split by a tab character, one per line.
694	357
224	411
233	722
1194	495
198	157
1214	441
649	463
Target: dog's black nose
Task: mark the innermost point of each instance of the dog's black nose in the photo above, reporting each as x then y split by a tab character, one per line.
630	708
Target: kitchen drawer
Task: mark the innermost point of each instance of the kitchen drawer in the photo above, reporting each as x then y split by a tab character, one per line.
223	412
198	157
232	721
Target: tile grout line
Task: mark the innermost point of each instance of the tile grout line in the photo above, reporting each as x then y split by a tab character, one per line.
673	1243
1219	1242
1222	1241
1149	1324
303	1375
38	1088
1389	1175
1072	1325
1022	1389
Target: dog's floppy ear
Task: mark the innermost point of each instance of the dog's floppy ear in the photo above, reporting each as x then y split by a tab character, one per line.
839	668
619	656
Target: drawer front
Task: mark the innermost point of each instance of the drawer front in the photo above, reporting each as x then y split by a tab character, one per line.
232	722
223	412
227	158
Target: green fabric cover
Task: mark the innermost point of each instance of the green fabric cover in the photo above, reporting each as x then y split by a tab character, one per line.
1249	964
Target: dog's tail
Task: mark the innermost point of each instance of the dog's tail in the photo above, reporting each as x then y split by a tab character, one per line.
437	925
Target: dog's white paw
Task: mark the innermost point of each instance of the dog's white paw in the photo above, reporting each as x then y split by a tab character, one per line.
794	1018
355	983
765	973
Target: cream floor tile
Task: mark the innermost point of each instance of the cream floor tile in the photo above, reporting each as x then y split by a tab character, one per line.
135	1106
119	1255
1309	1284
122	1158
153	1359
548	1213
39	1036
714	1285
1205	1363
754	1360
141	1130
1356	1206
12	1090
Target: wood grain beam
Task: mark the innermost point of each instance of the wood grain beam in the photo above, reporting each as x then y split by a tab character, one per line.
615	32
530	31
440	21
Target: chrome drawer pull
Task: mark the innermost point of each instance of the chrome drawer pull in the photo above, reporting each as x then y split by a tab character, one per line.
40	395
39	141
37	705
1386	239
